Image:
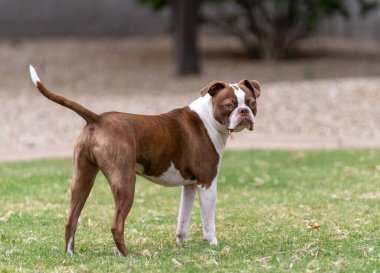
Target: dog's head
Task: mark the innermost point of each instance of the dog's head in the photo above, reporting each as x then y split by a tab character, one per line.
234	105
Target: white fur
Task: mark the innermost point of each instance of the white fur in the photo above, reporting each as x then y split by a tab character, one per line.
207	196
240	95
216	131
33	75
207	202
70	246
234	117
170	178
187	201
218	134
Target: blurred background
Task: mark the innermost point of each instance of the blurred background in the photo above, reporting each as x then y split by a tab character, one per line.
318	62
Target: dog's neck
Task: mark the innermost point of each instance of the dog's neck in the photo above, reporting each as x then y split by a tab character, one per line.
217	132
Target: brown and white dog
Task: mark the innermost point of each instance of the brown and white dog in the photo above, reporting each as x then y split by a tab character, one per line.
180	148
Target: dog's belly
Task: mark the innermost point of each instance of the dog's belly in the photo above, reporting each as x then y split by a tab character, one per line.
170	178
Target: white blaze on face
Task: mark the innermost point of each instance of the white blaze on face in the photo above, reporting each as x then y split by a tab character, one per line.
234	117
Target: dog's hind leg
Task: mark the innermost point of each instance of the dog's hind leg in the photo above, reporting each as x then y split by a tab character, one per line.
83	179
121	178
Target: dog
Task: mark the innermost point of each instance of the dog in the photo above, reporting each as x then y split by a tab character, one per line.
182	147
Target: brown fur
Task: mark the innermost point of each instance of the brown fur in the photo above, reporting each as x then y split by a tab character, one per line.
252	93
114	142
252	86
83	112
178	136
225	95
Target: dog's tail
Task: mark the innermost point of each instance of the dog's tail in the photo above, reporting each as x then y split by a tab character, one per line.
89	116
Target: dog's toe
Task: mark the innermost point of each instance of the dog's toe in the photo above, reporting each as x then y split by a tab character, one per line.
181	238
211	241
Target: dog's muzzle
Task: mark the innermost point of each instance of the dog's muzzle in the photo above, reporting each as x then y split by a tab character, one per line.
241	119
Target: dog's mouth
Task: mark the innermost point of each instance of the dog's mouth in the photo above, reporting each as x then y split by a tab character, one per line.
244	124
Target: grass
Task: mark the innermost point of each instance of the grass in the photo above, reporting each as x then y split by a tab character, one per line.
270	206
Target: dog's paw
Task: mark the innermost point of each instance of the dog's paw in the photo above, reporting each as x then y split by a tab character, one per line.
212	241
181	238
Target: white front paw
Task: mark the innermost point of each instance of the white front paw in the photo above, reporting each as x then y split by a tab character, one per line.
211	240
181	238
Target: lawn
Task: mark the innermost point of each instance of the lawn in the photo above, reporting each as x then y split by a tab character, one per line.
277	211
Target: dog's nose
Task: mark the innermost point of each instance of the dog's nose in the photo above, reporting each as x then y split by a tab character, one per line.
243	111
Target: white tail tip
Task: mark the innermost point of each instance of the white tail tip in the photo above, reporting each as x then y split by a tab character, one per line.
33	75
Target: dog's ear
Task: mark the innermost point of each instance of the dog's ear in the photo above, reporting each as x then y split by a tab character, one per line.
213	88
252	85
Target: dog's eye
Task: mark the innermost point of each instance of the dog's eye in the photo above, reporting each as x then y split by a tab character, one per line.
252	104
229	106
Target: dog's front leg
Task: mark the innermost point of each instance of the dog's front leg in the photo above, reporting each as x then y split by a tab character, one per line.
187	201
207	200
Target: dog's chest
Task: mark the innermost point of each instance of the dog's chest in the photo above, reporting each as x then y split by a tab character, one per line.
170	178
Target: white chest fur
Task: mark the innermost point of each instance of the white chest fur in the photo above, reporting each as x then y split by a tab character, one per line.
170	178
216	131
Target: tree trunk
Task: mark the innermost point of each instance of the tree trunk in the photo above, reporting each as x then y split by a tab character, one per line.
185	21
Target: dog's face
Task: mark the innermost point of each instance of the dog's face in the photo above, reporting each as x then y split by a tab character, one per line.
234	105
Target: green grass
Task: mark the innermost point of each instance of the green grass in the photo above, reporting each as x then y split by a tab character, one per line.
267	201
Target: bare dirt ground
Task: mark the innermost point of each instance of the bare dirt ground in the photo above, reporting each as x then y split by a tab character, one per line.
325	101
